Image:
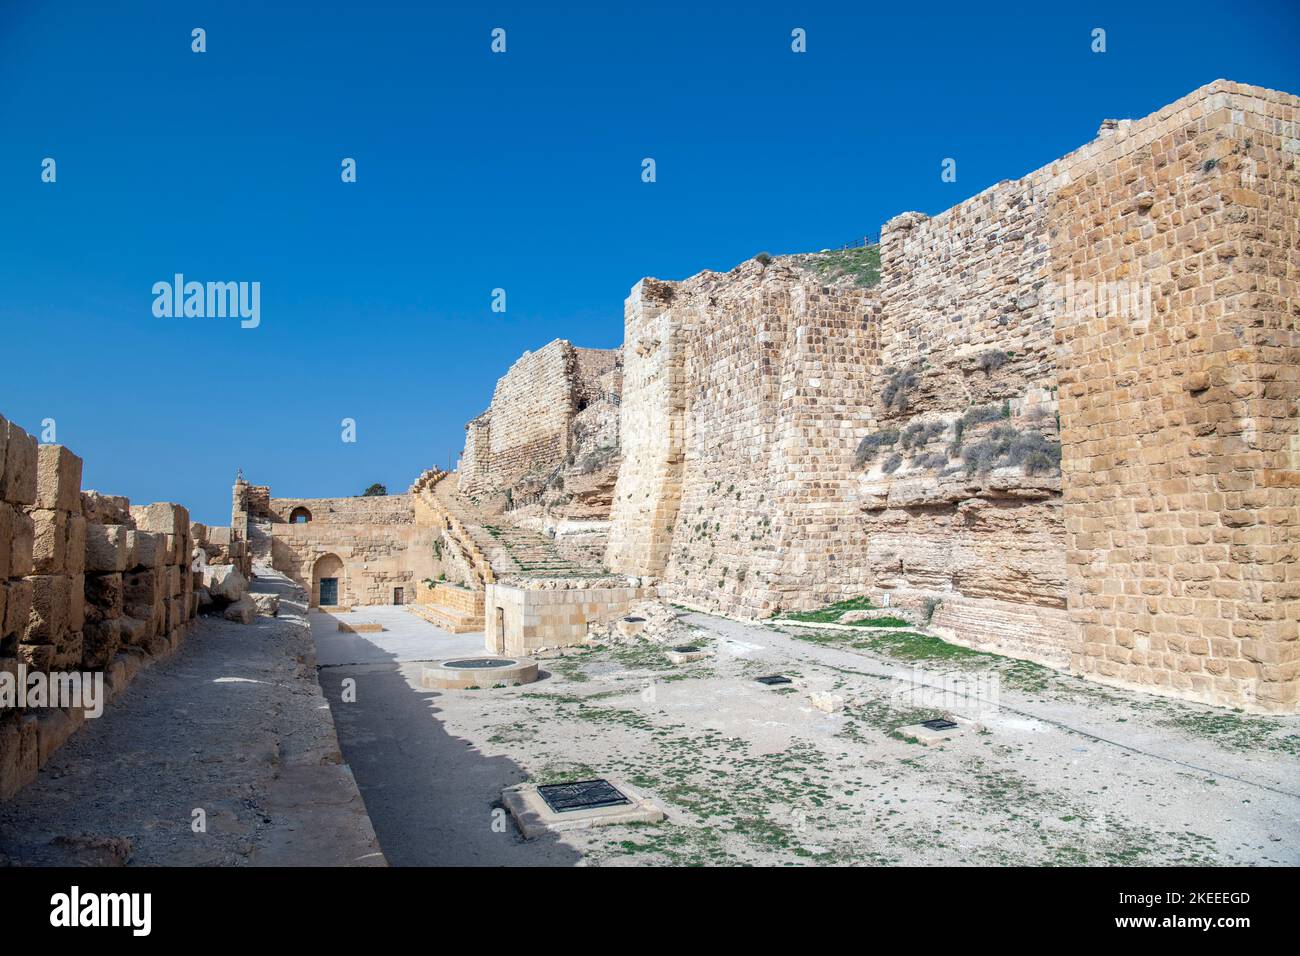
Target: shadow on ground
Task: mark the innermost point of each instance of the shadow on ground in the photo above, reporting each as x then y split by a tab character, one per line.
433	799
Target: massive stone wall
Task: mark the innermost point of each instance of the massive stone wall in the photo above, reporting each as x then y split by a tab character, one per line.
1066	419
743	401
527	425
1180	422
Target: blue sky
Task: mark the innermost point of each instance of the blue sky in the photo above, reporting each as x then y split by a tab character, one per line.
478	171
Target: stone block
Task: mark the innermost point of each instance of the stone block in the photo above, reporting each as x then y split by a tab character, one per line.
19	754
49	540
76	548
106	509
51	596
18	596
6	539
107	548
149	549
162	516
22	545
134	631
58	479
19	487
53	728
77	601
104	596
36	657
68	650
101	642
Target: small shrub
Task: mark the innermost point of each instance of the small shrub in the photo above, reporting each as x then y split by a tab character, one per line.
990	361
763	258
932	604
871	445
932	461
1006	447
894	394
978	416
918	434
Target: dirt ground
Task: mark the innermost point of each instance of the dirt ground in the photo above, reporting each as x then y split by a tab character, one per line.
1061	771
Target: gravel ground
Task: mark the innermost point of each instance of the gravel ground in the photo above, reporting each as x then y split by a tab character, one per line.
233	724
1060	772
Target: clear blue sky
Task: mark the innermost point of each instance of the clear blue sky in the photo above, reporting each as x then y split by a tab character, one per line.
478	171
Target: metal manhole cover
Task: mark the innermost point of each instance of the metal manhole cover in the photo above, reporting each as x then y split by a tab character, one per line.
473	662
774	679
686	649
938	724
582	795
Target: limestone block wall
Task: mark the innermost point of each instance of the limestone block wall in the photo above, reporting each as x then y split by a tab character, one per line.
967	355
1079	395
652	430
528	426
528	431
743	401
371	544
555	613
1180	425
88	585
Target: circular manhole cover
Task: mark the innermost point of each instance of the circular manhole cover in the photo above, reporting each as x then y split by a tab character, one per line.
471	662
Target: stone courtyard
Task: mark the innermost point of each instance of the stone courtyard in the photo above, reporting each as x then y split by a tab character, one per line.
1064	772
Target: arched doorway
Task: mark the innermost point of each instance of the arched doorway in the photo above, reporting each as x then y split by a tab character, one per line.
299	515
327	583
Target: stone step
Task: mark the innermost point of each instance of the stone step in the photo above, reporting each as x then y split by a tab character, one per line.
456	622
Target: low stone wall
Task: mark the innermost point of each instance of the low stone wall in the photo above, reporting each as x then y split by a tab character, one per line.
88	586
522	618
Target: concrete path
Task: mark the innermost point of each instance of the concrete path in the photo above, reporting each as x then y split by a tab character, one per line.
431	795
234	725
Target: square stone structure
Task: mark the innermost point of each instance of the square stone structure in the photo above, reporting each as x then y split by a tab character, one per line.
526	615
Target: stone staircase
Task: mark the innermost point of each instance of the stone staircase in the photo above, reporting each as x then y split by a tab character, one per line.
511	550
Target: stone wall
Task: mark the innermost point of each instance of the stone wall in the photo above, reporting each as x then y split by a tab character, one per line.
1065	421
88	585
373	545
1179	423
523	618
527	425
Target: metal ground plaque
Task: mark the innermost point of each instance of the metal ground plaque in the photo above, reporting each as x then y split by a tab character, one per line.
582	795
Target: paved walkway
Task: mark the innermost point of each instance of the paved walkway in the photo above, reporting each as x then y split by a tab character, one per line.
232	724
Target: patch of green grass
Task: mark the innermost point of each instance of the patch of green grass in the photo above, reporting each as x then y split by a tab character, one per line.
832	612
1234	731
861	263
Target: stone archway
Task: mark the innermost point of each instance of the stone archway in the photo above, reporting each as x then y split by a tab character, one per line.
328	581
299	515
